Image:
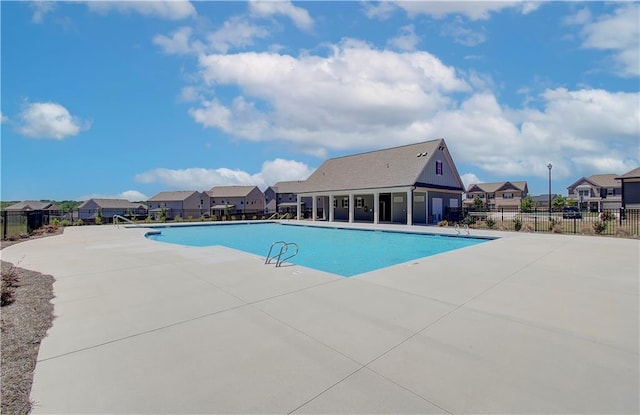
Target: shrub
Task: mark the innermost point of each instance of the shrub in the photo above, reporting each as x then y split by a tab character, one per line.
491	223
599	227
98	220
65	222
443	223
10	280
233	217
190	218
254	217
79	222
607	216
517	223
178	218
55	222
552	224
244	217
147	219
468	220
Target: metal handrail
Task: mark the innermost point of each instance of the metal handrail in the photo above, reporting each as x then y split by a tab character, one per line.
284	248
272	216
456	227
269	257
116	217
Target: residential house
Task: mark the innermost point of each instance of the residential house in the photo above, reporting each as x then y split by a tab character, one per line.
236	200
410	184
542	201
282	197
34	205
182	204
107	208
498	195
597	192
630	189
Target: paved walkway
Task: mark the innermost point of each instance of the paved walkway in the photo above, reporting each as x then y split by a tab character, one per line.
528	323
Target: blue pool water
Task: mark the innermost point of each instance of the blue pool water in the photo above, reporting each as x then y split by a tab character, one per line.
344	252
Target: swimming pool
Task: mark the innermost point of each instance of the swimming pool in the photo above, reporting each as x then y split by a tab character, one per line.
345	252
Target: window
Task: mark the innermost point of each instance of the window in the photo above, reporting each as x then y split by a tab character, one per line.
507	196
359	202
610	192
438	168
335	202
290	197
345	202
583	193
279	198
242	202
492	195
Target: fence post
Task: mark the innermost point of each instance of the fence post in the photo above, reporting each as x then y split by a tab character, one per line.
535	221
620	212
502	211
574	224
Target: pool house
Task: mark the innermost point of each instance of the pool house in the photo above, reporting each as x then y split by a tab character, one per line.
411	184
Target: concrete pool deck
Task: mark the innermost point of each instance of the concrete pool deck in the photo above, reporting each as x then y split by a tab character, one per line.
529	323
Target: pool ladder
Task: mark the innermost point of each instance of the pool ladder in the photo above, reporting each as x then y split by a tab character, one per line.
284	249
457	228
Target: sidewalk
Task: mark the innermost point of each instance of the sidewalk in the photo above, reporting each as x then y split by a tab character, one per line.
529	323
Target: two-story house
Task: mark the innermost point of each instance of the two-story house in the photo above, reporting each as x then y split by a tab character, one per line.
497	195
282	197
233	200
597	192
107	208
630	185
183	204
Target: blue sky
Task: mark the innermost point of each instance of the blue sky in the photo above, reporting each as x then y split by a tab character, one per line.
126	99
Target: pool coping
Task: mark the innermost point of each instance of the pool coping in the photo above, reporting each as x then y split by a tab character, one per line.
505	327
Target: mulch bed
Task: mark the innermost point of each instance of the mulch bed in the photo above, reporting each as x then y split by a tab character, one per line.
23	323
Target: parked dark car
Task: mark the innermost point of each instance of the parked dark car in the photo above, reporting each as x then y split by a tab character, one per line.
571	213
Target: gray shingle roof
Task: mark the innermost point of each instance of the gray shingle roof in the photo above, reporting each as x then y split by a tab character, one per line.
633	174
172	196
230	191
33	205
393	167
289	186
604	180
112	204
494	187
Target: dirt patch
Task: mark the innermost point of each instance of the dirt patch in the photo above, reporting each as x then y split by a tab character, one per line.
23	323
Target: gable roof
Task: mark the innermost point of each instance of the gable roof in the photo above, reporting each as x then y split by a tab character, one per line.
177	196
294	186
597	180
392	167
633	174
231	191
494	187
112	204
33	205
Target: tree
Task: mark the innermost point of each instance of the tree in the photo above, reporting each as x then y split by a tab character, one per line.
478	204
526	204
559	202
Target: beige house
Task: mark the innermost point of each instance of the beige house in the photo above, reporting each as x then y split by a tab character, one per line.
236	200
410	184
630	189
497	195
179	204
107	208
597	192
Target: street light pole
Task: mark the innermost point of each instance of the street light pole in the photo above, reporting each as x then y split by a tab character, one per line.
549	166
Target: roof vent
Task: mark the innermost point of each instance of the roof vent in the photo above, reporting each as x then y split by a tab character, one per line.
419	154
424	154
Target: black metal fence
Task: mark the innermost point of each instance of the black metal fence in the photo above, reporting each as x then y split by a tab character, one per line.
618	222
17	223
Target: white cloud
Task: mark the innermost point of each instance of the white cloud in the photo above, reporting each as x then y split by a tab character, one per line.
3	118
462	34
381	10
469	178
406	40
203	179
299	16
179	43
237	32
40	9
618	32
130	195
356	95
49	120
164	9
473	10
